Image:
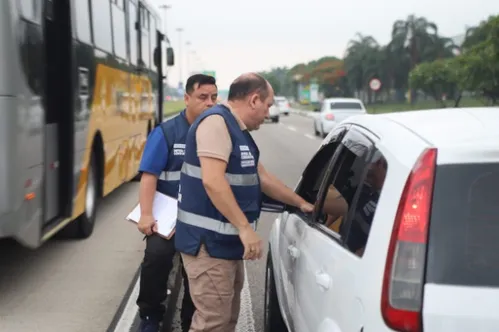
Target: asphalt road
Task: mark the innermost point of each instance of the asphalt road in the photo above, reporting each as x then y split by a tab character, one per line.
72	286
79	285
285	150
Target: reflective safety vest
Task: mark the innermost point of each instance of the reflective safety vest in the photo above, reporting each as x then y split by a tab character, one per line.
175	131
198	220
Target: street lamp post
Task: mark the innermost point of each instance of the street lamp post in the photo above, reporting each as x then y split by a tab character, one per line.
180	30
188	54
165	9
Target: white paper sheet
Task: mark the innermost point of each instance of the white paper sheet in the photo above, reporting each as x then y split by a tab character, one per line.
164	211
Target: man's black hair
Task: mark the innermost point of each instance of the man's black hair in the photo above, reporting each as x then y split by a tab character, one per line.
200	79
247	84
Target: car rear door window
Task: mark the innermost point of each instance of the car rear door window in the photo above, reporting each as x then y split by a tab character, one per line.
345	106
350	193
463	245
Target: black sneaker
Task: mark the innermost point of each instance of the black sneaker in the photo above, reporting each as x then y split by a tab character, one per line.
149	325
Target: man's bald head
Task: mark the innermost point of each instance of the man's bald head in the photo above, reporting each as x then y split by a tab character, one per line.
251	96
248	84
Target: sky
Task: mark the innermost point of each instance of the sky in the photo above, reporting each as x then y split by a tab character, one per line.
232	37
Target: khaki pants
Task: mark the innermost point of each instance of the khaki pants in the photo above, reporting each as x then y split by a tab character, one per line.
215	286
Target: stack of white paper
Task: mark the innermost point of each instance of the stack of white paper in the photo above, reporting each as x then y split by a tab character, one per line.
164	211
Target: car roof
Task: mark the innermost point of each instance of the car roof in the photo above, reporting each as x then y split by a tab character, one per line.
446	127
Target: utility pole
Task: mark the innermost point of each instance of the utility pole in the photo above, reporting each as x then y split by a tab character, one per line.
188	54
180	82
165	9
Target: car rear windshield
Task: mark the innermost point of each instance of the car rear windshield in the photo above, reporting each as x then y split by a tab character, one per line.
345	106
463	247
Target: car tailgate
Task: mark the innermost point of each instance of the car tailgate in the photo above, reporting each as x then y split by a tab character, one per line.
462	272
460	309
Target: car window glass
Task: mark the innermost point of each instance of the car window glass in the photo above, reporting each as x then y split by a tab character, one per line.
364	209
339	190
315	171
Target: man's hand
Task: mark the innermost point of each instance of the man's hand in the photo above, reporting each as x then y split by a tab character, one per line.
306	207
147	225
252	243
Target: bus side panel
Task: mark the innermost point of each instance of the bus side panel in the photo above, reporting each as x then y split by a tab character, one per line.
21	118
84	77
116	116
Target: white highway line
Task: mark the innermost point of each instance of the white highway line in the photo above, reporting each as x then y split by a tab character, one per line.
310	136
246	321
128	315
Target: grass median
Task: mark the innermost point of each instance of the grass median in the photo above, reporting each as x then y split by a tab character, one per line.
173	107
421	105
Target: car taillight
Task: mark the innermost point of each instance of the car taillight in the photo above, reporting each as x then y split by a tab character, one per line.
330	116
403	280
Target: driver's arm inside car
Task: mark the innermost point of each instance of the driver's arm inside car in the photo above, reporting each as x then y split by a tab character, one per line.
335	206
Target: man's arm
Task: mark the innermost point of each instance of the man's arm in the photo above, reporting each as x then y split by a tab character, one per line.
274	188
154	160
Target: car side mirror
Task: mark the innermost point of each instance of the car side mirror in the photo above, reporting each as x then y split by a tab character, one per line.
170	56
271	205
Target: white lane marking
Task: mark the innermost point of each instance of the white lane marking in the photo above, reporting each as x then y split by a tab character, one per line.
310	136
291	128
246	321
128	315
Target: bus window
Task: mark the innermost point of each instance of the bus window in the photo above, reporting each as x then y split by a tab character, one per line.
119	31
30	9
134	39
146	54
152	40
83	21
101	19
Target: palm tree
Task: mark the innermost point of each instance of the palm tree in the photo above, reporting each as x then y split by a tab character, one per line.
411	37
362	61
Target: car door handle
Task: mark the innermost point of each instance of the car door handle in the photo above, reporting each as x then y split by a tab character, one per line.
293	251
323	280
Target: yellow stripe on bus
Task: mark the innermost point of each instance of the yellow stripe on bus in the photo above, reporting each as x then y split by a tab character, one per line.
120	111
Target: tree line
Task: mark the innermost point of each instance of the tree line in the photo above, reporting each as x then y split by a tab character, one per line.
417	61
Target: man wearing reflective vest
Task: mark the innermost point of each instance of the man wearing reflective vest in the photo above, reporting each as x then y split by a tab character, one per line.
220	196
164	152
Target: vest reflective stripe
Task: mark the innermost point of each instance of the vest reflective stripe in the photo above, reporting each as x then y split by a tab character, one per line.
172	176
233	179
199	222
175	131
209	223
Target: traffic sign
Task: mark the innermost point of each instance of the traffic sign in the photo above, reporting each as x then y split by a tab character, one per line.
375	84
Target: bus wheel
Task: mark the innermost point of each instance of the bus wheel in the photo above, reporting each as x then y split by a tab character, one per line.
87	220
83	226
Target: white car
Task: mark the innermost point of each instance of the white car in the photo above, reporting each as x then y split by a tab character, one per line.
274	113
411	242
333	111
283	104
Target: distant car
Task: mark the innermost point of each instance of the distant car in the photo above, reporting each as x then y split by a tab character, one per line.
283	104
274	113
404	232
335	110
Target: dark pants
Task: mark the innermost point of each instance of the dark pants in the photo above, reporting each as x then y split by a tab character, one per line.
155	270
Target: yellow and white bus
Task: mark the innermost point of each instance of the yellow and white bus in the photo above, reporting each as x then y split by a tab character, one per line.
80	89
